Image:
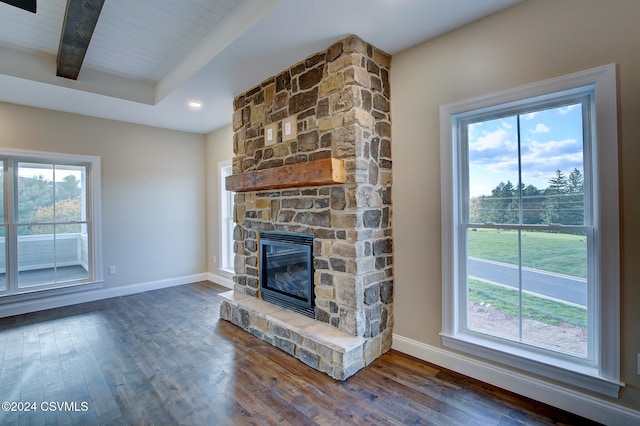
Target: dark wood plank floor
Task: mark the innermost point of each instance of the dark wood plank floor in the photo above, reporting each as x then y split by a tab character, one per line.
163	358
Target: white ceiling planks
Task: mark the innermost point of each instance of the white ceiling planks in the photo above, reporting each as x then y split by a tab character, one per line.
39	32
145	39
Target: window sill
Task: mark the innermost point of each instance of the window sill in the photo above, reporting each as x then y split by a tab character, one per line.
36	294
575	374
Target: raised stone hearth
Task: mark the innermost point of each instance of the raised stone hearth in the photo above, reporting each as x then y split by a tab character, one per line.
318	345
332	105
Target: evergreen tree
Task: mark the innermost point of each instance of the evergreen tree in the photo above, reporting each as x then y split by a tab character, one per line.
531	204
557	184
554	204
575	198
501	206
575	183
561	202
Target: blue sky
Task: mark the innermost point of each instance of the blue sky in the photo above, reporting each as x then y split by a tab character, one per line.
550	140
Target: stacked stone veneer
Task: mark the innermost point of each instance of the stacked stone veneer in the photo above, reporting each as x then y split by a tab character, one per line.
340	98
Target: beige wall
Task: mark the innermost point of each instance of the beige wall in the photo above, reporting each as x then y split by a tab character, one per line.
529	42
159	194
153	188
219	148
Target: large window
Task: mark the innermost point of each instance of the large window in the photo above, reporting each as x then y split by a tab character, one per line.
49	221
226	220
530	228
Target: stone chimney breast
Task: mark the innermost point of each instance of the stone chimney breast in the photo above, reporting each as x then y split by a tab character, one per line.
339	102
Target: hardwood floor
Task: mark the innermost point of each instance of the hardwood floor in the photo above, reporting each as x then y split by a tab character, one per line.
163	358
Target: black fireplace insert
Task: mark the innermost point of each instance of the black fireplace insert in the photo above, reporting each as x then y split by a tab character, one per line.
286	270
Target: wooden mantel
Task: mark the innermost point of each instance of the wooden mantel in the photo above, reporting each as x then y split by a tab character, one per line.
313	173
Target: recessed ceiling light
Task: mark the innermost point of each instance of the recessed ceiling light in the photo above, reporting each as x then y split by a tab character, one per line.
195	104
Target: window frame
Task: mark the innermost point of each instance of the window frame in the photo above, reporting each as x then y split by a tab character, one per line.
225	214
603	374
13	292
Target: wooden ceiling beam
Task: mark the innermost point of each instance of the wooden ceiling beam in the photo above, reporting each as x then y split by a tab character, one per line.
80	20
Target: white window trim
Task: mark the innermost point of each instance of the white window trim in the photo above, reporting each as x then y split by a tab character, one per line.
94	186
222	192
605	377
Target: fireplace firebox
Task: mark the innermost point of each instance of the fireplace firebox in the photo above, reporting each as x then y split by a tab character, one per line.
286	270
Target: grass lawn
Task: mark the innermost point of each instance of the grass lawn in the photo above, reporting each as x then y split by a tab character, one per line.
553	252
538	308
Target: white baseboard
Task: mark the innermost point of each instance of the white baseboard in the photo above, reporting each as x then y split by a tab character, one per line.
220	279
588	406
68	299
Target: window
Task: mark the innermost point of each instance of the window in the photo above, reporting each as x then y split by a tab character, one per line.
49	222
530	228
226	220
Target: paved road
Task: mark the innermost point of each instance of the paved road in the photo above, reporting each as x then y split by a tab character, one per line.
533	280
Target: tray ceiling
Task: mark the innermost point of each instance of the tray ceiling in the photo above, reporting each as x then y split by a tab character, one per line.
147	58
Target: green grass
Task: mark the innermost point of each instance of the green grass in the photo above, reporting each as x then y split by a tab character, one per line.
534	307
548	251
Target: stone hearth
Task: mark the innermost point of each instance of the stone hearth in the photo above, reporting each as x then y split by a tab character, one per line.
318	345
337	104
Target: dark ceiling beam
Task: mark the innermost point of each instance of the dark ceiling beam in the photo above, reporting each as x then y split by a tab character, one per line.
79	22
28	5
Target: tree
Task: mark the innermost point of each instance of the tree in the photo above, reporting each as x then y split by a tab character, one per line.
35	201
561	202
501	206
531	204
557	184
64	211
575	183
68	189
575	198
475	209
553	206
33	192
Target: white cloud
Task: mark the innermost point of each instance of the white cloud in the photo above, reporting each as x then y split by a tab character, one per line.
529	116
551	147
540	160
503	166
498	139
550	156
567	109
541	128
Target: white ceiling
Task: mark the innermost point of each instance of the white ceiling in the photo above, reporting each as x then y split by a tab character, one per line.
148	58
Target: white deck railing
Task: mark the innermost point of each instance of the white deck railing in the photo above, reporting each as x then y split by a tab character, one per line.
42	252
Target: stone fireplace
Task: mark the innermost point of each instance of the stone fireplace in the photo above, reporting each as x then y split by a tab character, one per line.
312	157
